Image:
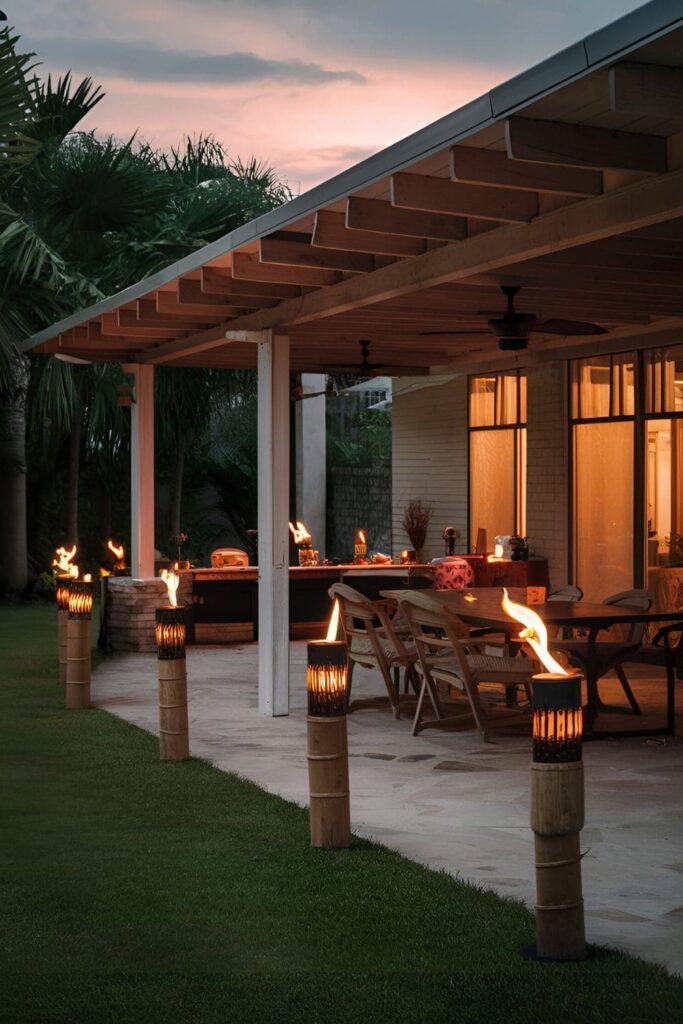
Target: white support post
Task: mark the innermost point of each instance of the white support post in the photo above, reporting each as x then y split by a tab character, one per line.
311	475
273	516
142	472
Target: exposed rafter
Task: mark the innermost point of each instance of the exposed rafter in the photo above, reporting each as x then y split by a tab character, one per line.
578	145
331	232
249	268
491	167
376	215
302	254
439	195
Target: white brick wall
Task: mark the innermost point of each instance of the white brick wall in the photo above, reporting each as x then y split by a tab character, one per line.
547	468
430	460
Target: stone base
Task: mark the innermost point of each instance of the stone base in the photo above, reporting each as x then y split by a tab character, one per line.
131	608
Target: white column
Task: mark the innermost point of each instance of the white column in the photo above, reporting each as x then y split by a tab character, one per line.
273	516
142	472
311	476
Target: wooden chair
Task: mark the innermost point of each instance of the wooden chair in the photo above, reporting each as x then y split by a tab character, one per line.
373	643
568	593
449	653
611	654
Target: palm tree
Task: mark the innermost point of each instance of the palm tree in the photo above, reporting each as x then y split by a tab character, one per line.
31	272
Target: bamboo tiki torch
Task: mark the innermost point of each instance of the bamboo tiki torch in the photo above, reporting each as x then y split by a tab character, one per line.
328	758
174	740
65	573
81	594
556	798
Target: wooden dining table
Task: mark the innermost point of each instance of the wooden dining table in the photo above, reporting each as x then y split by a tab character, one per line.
481	607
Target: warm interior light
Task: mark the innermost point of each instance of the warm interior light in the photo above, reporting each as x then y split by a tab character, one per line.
299	533
64	559
171	579
498	551
117	550
333	627
534	633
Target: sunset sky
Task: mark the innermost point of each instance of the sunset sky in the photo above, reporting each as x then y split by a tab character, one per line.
309	86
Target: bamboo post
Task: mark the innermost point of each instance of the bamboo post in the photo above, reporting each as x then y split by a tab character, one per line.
62	594
78	659
328	758
174	739
557	817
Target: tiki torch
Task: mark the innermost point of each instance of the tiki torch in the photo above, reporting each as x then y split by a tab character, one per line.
174	741
328	758
65	573
556	799
81	594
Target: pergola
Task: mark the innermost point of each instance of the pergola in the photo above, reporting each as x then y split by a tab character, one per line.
566	180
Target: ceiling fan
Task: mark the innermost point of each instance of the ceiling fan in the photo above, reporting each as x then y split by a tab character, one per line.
367	369
513	328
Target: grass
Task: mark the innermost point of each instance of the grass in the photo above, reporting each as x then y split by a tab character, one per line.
135	891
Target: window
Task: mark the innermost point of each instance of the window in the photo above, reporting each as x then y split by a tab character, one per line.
603	408
497	418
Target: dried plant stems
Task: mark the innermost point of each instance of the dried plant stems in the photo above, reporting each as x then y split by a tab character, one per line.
416	519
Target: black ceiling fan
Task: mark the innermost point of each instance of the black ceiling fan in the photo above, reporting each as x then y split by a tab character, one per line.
512	329
367	369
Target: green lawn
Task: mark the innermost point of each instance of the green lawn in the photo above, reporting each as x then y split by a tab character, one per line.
135	891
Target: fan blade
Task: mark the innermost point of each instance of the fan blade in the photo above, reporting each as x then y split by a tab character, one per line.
568	327
448	334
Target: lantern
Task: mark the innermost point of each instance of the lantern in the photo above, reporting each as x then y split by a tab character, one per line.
360	547
174	740
558	718
62	594
78	662
328	758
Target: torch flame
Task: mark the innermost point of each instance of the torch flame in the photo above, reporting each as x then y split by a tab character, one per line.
116	549
299	532
87	578
534	632
72	572
171	579
334	623
64	559
360	539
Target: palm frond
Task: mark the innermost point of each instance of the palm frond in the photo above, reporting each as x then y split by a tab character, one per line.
17	107
60	107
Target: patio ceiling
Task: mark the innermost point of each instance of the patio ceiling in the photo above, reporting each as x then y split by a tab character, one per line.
567	180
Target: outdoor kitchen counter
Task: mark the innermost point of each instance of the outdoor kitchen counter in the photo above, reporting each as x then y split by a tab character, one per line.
224	602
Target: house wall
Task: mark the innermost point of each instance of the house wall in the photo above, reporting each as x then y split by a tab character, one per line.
430	460
547	522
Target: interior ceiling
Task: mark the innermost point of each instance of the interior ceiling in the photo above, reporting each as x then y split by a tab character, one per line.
610	130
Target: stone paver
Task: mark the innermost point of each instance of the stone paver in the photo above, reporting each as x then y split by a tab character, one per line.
448	800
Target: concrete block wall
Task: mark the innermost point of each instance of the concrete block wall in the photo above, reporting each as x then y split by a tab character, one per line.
430	460
131	608
358	497
548	467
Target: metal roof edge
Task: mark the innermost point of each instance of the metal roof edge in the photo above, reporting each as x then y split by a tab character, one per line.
649	21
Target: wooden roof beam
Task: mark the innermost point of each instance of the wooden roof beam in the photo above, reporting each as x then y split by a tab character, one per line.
646	90
631	208
247	268
578	145
331	232
439	195
376	215
491	167
203	311
301	254
218	282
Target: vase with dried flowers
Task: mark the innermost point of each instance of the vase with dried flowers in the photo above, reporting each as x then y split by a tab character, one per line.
179	539
416	520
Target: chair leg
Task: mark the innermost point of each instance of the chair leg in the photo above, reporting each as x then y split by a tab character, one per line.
626	686
349	679
418	710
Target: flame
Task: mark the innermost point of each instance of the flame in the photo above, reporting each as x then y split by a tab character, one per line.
171	579
299	532
534	632
104	572
333	626
360	537
87	578
116	549
64	559
72	572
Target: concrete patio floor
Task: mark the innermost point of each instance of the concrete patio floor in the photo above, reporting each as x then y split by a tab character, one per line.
446	799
